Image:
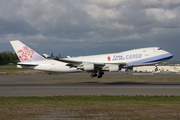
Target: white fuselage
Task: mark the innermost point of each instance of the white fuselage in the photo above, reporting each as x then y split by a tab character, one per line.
136	57
50	65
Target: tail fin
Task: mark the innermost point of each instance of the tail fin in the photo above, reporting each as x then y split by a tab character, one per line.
25	53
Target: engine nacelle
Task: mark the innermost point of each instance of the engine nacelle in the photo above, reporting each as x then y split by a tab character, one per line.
111	68
86	66
114	68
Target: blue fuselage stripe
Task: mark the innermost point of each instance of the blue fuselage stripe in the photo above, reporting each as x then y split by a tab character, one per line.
152	60
158	60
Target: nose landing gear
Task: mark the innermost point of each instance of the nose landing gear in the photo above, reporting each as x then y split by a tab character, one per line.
156	69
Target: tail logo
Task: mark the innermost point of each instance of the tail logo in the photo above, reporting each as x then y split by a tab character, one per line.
25	53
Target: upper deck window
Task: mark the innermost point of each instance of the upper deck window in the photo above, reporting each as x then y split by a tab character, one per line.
159	49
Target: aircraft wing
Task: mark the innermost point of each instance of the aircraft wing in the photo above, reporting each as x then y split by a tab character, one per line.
76	63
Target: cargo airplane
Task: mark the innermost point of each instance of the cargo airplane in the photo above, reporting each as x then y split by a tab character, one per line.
95	64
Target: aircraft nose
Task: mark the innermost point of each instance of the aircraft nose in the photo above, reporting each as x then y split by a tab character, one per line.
170	55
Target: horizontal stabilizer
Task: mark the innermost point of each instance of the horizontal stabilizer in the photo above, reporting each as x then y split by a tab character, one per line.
27	64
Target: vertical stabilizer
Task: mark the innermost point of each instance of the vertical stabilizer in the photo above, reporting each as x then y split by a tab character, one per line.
25	53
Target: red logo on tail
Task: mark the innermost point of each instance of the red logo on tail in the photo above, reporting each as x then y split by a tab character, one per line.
25	53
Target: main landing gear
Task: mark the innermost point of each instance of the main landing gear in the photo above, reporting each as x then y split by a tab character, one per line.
98	74
156	69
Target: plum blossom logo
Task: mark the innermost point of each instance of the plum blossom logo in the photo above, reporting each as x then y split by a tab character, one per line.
25	53
109	58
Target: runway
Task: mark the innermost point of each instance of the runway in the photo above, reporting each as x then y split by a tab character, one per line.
32	78
90	88
25	85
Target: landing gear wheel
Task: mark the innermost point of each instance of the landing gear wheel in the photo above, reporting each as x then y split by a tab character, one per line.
100	74
93	74
97	73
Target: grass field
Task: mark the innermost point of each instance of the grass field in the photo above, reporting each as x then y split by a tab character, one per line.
91	107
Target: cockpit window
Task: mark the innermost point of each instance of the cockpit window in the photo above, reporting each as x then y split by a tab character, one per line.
159	48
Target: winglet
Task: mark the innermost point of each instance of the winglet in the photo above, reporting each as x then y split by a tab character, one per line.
24	53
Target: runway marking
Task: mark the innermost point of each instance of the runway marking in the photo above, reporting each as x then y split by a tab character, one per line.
92	87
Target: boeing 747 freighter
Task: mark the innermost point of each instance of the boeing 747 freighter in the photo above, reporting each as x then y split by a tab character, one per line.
96	64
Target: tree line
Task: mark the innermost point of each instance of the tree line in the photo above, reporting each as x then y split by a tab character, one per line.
8	56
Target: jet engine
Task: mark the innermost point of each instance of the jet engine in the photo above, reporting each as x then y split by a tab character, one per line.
86	66
111	68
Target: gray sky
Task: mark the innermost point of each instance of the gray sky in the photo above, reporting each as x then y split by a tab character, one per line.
86	27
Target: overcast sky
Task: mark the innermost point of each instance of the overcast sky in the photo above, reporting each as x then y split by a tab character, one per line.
86	27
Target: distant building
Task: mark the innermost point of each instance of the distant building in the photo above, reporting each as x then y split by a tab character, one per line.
170	68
